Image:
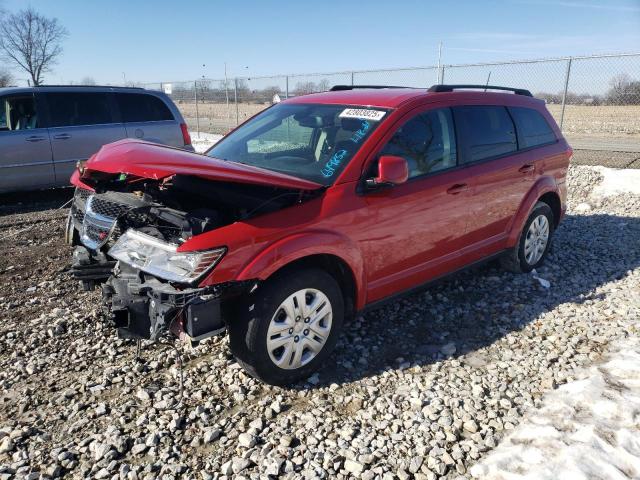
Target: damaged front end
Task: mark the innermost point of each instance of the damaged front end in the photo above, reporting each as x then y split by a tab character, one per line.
141	306
127	234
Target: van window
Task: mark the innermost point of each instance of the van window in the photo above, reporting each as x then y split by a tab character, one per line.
139	107
18	113
533	129
485	132
78	108
427	142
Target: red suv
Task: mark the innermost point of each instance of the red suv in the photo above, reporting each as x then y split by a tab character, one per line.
316	208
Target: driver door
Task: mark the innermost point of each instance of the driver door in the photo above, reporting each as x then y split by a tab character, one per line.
417	229
25	150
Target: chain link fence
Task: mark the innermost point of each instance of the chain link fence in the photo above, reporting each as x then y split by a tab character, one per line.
595	100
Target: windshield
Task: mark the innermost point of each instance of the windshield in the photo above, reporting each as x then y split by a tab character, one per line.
314	142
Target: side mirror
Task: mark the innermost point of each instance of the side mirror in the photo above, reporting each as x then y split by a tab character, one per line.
392	170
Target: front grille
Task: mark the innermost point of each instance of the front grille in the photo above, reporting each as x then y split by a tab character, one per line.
108	208
77	214
97	216
82	194
97	226
95	234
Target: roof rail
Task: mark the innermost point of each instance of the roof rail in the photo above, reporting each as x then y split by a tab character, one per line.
337	88
451	88
91	86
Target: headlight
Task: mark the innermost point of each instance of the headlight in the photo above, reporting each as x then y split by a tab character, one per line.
162	259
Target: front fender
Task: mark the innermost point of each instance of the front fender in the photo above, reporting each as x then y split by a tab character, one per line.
543	185
300	245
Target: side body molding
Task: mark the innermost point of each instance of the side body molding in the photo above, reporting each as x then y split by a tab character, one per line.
300	245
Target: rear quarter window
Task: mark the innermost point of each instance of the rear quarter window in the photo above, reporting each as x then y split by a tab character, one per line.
533	129
484	132
139	107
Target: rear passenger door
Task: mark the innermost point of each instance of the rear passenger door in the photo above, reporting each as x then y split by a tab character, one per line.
25	152
79	124
148	118
489	150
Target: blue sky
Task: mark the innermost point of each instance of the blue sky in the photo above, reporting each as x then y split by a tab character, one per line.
171	40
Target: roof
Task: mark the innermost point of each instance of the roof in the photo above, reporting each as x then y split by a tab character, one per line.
77	88
393	97
375	97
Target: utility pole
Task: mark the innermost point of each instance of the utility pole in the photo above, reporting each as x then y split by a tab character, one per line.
226	91
438	72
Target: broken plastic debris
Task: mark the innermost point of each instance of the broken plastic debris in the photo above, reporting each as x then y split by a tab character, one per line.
543	282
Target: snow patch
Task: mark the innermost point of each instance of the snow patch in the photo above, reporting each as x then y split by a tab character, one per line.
203	141
588	428
617	181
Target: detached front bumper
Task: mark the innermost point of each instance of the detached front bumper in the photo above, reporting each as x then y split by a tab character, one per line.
143	307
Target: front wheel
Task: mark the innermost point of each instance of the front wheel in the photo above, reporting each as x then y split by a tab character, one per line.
289	326
69	231
534	241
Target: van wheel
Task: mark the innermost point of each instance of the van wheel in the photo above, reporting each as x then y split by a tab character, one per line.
69	230
289	327
534	241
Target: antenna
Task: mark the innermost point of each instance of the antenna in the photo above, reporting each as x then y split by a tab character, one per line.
487	84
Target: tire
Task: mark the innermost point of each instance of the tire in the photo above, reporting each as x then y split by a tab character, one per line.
256	347
69	230
516	259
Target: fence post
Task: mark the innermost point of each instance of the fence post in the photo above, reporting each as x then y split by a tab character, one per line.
352	79
286	83
564	93
235	96
195	97
441	79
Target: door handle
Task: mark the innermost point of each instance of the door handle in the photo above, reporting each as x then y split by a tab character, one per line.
527	168
62	136
457	188
34	138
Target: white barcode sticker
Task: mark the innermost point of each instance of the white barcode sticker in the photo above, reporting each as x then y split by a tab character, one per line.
362	114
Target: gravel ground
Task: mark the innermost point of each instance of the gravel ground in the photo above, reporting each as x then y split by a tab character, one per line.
422	388
586	429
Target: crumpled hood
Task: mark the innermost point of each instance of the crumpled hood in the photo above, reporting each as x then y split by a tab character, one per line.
148	160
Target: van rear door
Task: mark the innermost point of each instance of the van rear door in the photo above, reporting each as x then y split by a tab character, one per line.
147	117
79	124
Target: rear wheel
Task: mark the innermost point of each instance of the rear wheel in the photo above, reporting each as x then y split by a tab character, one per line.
534	241
289	326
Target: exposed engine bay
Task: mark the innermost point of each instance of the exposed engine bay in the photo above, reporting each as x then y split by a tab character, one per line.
174	209
143	302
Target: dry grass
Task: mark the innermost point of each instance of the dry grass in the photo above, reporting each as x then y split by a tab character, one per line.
604	121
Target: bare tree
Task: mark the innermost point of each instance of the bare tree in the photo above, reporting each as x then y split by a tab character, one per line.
31	41
323	85
87	81
6	78
303	88
624	90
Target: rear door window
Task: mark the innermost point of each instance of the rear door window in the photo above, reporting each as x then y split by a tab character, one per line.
79	108
139	107
484	132
427	142
533	129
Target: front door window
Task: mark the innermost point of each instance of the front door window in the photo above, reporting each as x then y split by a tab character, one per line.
18	113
